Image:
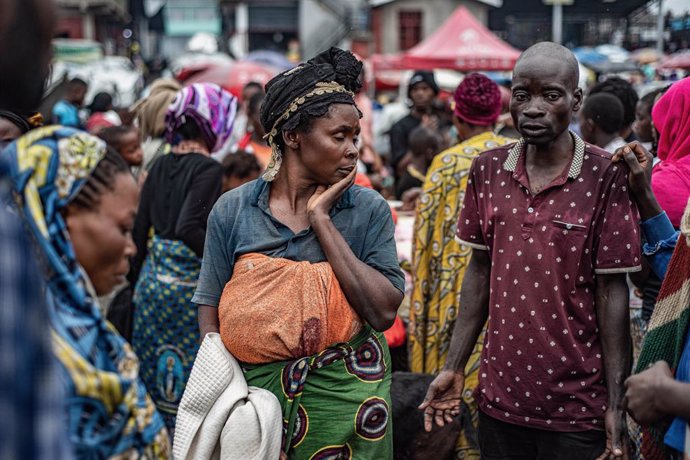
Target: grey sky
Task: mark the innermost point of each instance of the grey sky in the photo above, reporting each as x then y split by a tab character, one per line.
677	6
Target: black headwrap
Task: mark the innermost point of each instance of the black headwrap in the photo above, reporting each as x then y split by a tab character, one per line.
309	89
25	123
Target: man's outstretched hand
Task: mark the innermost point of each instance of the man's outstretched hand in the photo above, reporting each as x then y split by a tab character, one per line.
443	398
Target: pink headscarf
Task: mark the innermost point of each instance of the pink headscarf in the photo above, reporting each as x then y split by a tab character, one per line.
671	177
671	116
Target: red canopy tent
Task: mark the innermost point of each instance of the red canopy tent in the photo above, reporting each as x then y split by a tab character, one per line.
462	43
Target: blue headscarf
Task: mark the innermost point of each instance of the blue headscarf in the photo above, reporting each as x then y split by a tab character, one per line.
109	412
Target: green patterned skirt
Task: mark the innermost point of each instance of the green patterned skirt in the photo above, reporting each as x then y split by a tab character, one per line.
336	404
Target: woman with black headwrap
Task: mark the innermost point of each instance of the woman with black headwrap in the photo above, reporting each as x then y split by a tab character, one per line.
300	272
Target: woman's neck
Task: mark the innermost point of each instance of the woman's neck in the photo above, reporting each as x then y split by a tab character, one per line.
290	187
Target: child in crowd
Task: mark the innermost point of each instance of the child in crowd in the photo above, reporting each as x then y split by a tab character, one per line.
66	111
424	145
643	126
125	139
601	120
103	114
239	168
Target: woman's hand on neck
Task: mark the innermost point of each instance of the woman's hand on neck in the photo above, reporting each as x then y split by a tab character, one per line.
190	146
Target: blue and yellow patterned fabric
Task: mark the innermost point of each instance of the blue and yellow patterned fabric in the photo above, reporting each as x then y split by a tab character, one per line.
109	413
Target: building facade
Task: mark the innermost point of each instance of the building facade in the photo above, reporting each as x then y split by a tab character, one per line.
100	20
398	25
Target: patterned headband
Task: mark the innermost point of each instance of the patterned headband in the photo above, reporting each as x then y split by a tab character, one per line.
276	156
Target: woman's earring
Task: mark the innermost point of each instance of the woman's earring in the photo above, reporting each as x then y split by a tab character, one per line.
274	166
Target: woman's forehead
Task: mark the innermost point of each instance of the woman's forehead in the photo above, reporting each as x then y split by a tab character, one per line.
340	114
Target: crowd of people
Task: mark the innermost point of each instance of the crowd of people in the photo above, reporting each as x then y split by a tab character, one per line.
207	276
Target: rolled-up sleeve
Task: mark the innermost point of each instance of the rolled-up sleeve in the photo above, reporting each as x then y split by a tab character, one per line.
379	249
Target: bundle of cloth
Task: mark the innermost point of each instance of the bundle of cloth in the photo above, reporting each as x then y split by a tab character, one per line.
220	416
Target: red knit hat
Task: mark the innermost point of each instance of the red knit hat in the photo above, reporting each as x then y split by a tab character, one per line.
477	100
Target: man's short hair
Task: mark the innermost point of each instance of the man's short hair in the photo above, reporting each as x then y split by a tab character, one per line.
76	81
554	51
241	164
625	93
422	139
605	110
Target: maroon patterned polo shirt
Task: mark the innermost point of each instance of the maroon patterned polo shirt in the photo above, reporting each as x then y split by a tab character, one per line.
542	359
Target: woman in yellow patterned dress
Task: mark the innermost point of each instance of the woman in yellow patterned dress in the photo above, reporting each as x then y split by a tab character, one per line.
439	261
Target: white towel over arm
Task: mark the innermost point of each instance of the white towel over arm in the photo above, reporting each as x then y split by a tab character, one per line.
220	416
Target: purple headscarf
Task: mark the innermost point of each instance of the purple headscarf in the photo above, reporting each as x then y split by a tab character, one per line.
212	108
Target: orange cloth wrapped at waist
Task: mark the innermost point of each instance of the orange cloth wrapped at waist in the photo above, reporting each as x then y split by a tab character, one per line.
277	309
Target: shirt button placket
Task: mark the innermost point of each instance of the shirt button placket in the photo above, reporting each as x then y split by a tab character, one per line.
528	223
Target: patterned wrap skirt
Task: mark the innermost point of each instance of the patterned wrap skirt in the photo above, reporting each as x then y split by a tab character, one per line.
336	404
166	331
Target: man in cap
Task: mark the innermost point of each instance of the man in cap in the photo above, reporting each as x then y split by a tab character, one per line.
422	91
440	261
553	234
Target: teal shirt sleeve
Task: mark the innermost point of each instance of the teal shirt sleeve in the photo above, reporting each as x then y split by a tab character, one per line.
217	263
380	251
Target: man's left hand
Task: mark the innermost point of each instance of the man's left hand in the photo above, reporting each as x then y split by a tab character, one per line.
616	436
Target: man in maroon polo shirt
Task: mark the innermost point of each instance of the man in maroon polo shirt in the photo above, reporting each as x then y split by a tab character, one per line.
553	234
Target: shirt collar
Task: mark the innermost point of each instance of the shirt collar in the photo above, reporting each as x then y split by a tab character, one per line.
515	153
259	197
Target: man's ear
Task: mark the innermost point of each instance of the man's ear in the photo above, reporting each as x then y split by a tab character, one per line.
291	139
577	95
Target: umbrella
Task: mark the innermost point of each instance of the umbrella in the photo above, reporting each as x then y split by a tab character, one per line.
613	53
679	60
588	55
500	78
198	60
270	58
646	56
607	67
231	77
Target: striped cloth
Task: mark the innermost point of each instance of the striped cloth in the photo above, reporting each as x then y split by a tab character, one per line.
667	330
